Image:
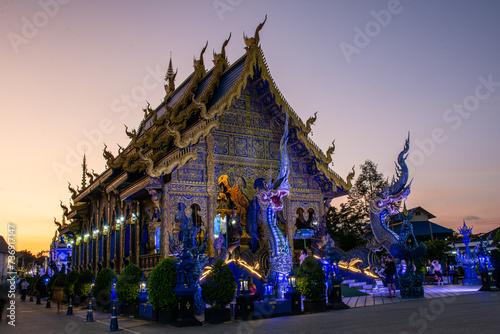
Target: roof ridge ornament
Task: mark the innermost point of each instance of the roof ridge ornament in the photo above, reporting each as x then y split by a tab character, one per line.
253	41
218	57
310	121
170	78
199	63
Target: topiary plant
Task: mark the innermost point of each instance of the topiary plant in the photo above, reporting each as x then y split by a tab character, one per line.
32	285
51	283
102	287
69	283
311	279
41	284
127	285
162	281
83	283
219	287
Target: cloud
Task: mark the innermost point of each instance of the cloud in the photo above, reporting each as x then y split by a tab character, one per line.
472	218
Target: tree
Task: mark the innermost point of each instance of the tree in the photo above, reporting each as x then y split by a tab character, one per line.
69	282
368	184
436	250
83	284
127	286
496	239
346	224
162	281
311	279
219	287
102	287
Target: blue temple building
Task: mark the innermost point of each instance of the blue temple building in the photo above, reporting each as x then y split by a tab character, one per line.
201	155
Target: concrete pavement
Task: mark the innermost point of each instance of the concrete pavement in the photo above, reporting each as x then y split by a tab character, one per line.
443	313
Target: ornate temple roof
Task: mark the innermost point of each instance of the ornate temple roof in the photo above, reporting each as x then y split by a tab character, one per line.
164	138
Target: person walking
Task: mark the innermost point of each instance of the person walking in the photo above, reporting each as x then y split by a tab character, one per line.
24	289
390	276
58	293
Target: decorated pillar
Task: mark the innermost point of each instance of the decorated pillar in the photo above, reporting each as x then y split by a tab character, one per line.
212	194
165	205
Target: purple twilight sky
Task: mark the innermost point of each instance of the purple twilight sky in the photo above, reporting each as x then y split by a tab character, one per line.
73	72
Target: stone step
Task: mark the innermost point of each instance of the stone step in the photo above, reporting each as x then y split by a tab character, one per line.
349	281
357	284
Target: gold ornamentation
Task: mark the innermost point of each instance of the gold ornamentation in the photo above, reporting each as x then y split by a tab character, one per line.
310	122
159	170
329	153
218	57
254	41
193	139
73	191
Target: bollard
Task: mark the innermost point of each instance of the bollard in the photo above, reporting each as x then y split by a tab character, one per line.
113	325
38	301
70	307
90	317
48	301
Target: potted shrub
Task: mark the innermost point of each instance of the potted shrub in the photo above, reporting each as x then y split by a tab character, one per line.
218	290
162	281
69	284
127	288
40	285
311	284
102	289
83	284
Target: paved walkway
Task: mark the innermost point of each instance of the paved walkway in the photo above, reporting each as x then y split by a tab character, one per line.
446	309
430	291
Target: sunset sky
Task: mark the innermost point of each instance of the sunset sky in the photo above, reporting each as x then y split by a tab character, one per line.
73	72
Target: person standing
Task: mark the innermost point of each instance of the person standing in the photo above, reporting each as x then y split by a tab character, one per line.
59	292
24	289
437	272
303	255
390	276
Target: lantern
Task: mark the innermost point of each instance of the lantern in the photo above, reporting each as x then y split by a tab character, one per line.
292	283
244	288
143	292
113	289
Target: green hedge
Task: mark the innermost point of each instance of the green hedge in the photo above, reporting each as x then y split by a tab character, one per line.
127	286
102	287
162	281
83	283
69	283
311	279
219	287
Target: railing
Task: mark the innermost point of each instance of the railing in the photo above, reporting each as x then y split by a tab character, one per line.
149	261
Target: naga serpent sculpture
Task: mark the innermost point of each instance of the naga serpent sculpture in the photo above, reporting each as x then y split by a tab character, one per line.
385	202
270	200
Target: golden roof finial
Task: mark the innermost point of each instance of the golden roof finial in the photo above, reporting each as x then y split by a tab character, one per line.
254	41
170	78
84	171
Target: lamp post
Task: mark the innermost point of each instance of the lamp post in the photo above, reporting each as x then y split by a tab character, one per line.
244	288
143	291
90	316
244	302
113	325
292	283
293	294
